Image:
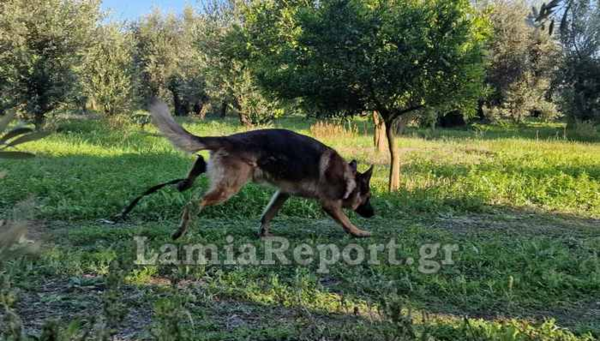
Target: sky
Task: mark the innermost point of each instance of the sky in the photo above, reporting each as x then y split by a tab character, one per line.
133	9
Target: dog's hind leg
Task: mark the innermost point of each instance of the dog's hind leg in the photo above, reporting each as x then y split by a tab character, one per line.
274	206
198	169
228	177
191	210
335	211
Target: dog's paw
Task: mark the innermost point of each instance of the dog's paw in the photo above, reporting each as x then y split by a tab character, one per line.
177	234
362	234
265	235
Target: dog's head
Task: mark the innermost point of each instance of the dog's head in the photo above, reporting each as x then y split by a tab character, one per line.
361	198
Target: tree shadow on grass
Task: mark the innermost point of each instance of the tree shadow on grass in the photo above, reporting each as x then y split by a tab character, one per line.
221	310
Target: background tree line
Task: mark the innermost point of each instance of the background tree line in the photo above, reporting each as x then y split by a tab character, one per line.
401	61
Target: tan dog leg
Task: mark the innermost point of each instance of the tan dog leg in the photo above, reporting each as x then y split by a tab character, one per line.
227	177
335	211
214	197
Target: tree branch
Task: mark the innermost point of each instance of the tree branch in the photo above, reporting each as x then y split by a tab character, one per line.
397	114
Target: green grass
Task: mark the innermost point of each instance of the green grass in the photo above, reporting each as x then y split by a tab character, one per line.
88	172
522	204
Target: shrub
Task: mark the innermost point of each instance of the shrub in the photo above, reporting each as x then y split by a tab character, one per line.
585	130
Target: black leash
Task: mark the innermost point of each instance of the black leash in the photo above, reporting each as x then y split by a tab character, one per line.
182	185
123	215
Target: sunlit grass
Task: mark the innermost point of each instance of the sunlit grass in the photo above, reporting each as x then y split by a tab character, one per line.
448	170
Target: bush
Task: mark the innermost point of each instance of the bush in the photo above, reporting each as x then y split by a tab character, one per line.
251	106
521	67
579	76
43	44
548	111
585	130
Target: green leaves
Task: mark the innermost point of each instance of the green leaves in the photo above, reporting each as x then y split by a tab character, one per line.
348	56
170	59
579	74
42	45
522	65
108	69
547	12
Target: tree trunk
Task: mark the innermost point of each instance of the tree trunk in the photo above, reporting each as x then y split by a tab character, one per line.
204	107
180	107
83	101
394	180
223	109
244	119
93	105
480	111
197	108
379	134
38	120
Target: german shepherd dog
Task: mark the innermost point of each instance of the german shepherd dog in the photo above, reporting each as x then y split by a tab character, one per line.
295	164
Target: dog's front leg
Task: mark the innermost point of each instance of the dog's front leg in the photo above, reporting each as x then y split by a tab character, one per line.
336	212
274	206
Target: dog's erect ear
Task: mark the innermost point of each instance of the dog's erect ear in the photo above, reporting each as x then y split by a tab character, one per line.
368	174
354	166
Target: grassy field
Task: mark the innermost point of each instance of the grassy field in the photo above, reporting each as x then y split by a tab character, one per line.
522	204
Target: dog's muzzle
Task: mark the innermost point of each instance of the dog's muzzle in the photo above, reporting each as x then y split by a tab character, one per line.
365	210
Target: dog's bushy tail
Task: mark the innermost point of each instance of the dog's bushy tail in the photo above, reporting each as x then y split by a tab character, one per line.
178	136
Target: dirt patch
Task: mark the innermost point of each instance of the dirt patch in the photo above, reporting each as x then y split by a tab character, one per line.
56	300
521	223
579	313
68	300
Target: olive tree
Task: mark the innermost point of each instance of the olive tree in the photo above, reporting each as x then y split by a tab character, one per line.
351	56
579	35
42	45
166	61
522	63
107	74
580	71
230	84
